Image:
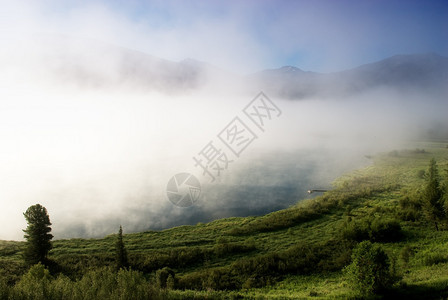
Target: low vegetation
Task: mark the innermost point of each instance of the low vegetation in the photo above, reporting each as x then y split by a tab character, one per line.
381	231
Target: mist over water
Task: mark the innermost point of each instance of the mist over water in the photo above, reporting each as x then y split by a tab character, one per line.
98	155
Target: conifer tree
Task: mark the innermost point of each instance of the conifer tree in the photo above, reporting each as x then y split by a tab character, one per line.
120	251
433	195
37	235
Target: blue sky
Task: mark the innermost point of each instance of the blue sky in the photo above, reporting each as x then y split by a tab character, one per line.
246	36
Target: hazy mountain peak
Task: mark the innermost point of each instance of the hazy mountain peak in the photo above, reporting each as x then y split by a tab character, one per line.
408	72
290	69
193	62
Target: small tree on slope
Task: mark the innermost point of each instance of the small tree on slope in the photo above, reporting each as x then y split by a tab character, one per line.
120	251
37	235
433	195
369	272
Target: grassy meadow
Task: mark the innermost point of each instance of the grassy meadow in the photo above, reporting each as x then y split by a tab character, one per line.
299	252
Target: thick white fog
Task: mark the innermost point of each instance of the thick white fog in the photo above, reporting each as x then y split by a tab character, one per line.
93	129
97	157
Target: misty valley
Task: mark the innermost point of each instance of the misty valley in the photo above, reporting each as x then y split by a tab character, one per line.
375	215
128	176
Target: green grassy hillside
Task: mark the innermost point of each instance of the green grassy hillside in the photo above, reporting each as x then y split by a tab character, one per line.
298	252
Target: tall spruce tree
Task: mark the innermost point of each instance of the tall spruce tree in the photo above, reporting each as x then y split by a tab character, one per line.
433	195
120	251
37	235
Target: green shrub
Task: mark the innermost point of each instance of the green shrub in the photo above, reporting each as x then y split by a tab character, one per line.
177	258
35	284
192	281
11	271
63	288
220	279
385	231
75	266
410	206
162	277
4	289
421	174
102	283
170	282
374	229
406	253
419	151
132	285
223	247
369	273
355	230
96	284
434	258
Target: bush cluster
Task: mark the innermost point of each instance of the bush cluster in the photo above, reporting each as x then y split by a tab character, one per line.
410	208
103	283
266	269
370	228
185	256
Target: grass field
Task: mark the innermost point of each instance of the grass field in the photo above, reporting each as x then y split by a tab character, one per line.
294	253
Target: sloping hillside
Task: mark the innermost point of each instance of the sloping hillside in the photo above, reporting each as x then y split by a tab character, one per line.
297	252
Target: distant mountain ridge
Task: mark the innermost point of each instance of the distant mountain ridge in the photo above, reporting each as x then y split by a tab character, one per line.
426	72
98	65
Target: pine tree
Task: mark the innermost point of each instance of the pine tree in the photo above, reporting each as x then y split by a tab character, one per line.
433	195
37	235
120	251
